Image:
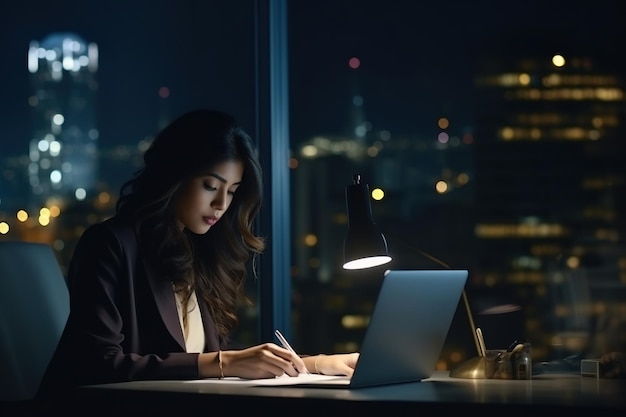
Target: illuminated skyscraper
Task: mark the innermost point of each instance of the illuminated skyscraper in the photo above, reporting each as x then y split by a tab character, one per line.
549	178
63	148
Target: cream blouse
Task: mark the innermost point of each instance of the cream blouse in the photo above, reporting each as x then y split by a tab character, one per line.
193	330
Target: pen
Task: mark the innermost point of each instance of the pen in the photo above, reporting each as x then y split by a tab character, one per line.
286	345
481	342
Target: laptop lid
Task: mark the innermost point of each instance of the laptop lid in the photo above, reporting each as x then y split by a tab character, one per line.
408	326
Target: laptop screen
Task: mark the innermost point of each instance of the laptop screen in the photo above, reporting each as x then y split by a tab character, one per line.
408	326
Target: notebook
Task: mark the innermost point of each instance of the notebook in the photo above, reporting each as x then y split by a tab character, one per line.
407	329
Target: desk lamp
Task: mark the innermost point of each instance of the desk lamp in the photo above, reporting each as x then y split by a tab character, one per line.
365	247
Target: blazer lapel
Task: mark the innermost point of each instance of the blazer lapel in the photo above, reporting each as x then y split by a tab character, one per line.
166	303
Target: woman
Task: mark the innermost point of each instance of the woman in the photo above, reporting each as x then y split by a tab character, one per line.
154	289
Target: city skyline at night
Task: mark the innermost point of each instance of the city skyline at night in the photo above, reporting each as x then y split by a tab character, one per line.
434	48
489	154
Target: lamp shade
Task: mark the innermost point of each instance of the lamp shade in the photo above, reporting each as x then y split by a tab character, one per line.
364	245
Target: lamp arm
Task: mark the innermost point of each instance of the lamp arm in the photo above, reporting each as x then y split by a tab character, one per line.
471	322
464	297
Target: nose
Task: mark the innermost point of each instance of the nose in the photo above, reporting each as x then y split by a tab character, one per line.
220	202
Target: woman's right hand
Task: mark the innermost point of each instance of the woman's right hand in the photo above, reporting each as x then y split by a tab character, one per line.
262	361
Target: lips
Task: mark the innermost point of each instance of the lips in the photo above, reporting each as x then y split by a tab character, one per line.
210	220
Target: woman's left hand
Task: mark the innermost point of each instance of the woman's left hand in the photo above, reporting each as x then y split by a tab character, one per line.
335	364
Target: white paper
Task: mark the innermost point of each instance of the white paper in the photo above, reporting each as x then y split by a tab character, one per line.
278	381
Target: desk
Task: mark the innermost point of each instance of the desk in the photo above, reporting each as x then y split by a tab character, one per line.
548	394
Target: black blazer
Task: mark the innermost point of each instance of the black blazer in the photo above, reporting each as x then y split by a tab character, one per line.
123	323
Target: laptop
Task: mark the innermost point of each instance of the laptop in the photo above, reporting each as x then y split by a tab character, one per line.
406	332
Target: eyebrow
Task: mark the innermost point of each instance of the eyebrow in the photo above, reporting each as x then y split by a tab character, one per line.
220	178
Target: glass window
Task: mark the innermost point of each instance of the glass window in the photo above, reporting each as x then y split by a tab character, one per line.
491	136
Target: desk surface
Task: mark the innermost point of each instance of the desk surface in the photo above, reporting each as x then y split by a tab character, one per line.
543	395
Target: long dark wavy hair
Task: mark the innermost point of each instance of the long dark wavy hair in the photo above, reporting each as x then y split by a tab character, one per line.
214	264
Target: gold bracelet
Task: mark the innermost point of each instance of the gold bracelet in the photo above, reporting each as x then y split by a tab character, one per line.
219	363
316	358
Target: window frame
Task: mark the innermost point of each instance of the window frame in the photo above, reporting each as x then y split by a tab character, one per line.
272	126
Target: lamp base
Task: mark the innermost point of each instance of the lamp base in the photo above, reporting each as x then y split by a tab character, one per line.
496	364
473	368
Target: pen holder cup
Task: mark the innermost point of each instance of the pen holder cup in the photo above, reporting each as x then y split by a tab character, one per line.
500	364
497	364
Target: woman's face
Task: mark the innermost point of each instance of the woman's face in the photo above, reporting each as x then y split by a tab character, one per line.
202	200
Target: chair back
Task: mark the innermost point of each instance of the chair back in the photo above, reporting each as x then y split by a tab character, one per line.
34	307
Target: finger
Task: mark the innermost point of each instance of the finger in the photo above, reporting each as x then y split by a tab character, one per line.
299	365
294	365
283	361
292	358
354	358
346	370
276	368
280	351
350	363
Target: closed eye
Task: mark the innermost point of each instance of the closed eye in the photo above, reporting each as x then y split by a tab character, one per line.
211	188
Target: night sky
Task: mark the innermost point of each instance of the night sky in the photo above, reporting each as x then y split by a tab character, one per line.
416	57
